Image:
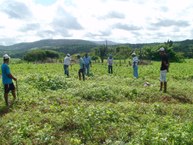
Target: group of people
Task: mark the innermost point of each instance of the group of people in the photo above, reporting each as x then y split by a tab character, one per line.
135	62
84	63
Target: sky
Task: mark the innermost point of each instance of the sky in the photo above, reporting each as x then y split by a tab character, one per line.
121	21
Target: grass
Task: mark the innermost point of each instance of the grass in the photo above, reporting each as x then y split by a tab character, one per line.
105	109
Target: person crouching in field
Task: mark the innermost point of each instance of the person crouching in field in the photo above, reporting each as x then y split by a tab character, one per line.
82	68
67	60
135	65
110	64
164	69
7	79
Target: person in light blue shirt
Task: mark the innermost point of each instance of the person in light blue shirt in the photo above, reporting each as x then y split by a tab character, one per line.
7	79
135	62
82	68
87	61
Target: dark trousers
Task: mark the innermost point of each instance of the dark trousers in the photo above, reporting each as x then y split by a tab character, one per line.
66	71
81	71
110	69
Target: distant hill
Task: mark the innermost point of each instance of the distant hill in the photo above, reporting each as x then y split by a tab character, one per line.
61	45
76	46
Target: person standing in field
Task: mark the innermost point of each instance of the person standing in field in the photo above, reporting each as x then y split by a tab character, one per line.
163	69
7	78
135	61
110	64
81	72
87	61
67	60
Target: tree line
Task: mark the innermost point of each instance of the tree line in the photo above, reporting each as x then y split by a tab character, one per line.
177	52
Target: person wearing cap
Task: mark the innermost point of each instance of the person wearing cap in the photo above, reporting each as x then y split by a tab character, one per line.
110	64
135	61
163	69
7	78
87	61
67	60
82	67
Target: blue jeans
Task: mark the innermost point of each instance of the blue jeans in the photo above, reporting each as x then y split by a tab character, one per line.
66	71
87	69
135	71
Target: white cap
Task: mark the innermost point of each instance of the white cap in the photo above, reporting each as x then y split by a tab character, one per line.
6	56
68	55
133	54
161	49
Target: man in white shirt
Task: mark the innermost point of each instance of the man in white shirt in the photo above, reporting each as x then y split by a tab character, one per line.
67	60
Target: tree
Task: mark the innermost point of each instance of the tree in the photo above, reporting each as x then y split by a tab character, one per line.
40	55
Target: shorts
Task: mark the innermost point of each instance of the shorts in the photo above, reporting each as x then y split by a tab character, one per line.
8	87
163	75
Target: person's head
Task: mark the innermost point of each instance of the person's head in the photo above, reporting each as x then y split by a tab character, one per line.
6	58
78	56
133	54
162	51
86	55
110	56
68	55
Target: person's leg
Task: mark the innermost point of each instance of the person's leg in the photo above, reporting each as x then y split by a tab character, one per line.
165	87
161	80
108	68
111	69
88	70
135	69
165	81
13	94
83	74
6	99
67	71
79	74
161	86
6	92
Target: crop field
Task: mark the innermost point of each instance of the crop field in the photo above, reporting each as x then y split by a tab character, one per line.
104	109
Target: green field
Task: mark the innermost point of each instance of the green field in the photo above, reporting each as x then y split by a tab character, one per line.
105	109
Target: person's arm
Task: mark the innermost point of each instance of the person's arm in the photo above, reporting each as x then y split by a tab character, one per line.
11	76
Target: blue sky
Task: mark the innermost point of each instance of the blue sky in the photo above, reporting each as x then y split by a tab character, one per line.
125	21
44	2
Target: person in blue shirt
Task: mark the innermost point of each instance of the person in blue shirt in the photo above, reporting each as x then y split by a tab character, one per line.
87	61
82	67
7	78
135	62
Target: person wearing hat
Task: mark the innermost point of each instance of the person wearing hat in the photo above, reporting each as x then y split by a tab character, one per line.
7	78
67	60
87	61
163	69
135	61
82	67
110	64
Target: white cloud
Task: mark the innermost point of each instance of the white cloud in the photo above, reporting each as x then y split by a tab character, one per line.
129	21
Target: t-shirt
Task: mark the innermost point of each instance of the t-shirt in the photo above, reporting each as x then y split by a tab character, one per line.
67	60
135	61
163	65
5	72
87	60
81	63
110	61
